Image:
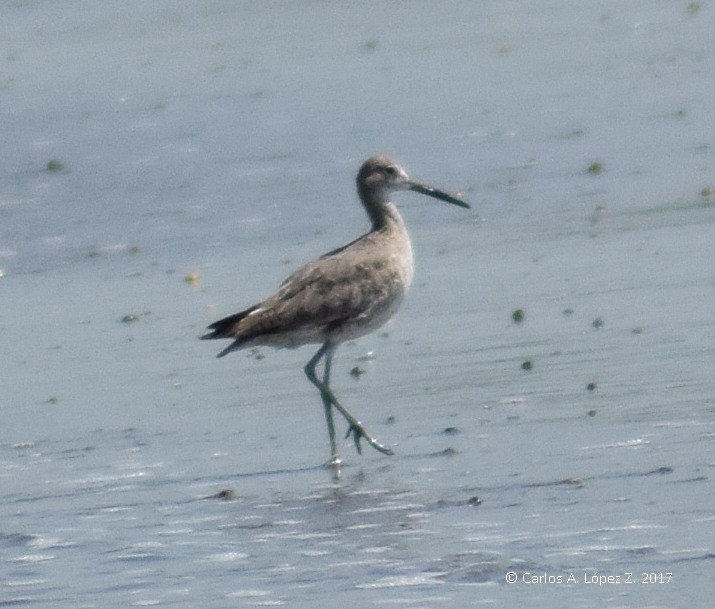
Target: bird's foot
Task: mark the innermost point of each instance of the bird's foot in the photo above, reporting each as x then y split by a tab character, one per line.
358	432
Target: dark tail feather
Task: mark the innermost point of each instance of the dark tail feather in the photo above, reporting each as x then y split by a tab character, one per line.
232	347
228	327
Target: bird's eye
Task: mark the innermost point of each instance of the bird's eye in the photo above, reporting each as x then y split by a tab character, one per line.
391	170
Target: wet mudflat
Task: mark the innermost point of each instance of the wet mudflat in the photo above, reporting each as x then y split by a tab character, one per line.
170	165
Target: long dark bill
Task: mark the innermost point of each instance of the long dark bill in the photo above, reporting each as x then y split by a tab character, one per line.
437	194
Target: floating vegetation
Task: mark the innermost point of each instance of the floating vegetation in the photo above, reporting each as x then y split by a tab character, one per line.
591	413
597	323
571	134
134	249
518	315
450	431
390	420
706	191
666	469
54	165
370	45
130	318
447	452
526	365
591	386
595	168
356	372
256	354
53	399
568	312
474	501
191	278
693	8
227	494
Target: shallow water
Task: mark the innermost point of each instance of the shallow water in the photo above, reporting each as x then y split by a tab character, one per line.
222	139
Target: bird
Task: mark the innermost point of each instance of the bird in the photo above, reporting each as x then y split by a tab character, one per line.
343	295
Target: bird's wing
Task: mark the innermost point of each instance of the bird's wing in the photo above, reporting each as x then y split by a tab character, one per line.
321	296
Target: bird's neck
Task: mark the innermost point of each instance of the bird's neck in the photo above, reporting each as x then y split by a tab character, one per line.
382	213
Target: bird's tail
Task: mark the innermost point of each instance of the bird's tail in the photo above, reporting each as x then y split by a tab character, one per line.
228	327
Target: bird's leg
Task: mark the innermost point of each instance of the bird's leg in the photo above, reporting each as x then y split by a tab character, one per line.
356	428
327	406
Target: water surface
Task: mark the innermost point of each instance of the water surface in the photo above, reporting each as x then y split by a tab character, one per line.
150	141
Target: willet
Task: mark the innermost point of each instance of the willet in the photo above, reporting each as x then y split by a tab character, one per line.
342	295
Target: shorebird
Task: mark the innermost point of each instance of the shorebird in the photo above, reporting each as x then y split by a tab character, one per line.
344	294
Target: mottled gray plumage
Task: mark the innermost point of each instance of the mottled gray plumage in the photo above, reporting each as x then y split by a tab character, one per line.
342	295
